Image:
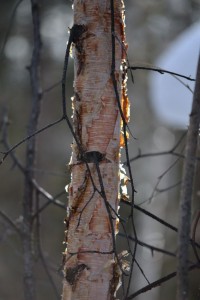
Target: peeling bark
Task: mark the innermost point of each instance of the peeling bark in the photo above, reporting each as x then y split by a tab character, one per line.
89	264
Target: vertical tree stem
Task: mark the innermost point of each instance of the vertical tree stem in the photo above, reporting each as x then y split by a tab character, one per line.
90	263
29	283
187	194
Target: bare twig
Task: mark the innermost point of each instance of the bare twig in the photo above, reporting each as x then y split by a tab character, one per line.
171	151
170	187
40	252
161	221
10	26
183	83
158	282
156	190
159	70
161	153
104	197
27	138
141	270
5	123
49	197
8	221
194	235
156	218
50	88
148	246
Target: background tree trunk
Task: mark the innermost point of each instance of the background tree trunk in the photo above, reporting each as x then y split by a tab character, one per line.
93	191
187	193
29	190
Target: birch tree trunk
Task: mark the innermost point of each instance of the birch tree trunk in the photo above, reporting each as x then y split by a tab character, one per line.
89	258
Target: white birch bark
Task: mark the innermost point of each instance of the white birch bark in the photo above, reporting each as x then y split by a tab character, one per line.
89	267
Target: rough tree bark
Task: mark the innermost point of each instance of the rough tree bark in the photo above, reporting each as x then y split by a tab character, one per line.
89	259
187	194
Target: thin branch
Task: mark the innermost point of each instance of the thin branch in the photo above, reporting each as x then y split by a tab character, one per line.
161	153
10	26
171	151
154	217
40	252
183	83
51	199
159	70
9	222
6	153
71	254
53	86
141	270
5	142
127	59
103	195
73	37
38	188
194	236
75	34
169	187
156	191
161	221
158	282
146	245
84	207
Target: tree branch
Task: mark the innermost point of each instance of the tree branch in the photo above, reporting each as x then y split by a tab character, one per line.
158	283
159	70
9	222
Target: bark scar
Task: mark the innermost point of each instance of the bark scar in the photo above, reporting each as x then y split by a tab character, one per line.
73	274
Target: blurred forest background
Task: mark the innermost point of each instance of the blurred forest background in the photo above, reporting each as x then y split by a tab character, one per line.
151	26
